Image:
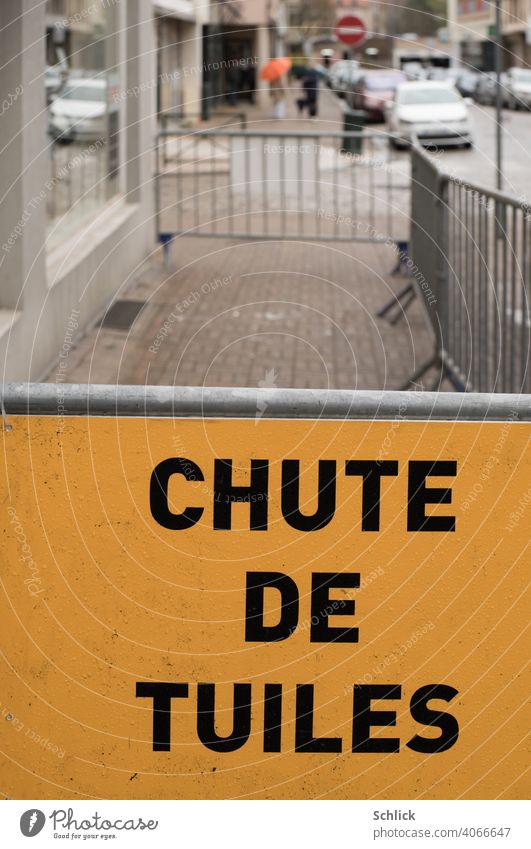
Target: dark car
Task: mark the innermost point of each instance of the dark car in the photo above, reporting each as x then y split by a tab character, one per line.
485	91
466	83
374	90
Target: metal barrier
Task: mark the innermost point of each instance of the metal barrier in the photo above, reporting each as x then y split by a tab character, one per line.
470	250
235	549
281	185
173	121
233	402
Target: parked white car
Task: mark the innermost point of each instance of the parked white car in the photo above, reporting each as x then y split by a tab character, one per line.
433	112
79	112
518	81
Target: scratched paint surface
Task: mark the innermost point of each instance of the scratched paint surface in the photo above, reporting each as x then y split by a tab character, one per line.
96	596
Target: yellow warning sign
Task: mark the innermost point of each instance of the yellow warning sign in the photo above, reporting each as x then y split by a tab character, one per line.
263	609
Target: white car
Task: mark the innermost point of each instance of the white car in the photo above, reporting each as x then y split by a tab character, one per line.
433	112
519	88
80	111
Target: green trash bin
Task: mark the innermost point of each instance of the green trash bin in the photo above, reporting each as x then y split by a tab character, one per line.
353	122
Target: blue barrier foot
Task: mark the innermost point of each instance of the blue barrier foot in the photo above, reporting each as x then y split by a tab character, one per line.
166	239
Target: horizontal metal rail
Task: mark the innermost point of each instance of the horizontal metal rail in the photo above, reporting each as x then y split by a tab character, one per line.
479	188
209	402
272	134
227	117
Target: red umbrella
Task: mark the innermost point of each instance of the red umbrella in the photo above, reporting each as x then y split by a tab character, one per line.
275	68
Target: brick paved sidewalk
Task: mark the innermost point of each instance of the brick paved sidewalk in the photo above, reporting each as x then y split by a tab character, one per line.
260	313
255	313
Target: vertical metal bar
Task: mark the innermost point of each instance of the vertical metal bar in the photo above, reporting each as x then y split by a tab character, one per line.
283	188
483	332
525	277
455	262
390	191
214	190
512	332
453	267
474	199
180	184
300	216
477	287
231	228
70	187
449	335
164	127
469	329
157	185
505	292
372	215
318	184
463	314
101	178
248	194
335	150
496	294
459	276
264	185
352	188
195	167
488	296
441	236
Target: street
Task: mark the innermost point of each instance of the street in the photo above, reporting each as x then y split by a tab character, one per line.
478	165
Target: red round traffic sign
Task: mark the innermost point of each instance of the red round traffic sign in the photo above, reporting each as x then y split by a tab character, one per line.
351	30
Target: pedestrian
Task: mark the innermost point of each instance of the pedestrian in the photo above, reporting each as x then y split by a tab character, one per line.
278	94
310	88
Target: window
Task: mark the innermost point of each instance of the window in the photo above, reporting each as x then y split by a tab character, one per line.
384	82
420	96
82	111
522	75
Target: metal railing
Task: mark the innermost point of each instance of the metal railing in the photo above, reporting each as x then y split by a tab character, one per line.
174	121
471	261
283	184
234	402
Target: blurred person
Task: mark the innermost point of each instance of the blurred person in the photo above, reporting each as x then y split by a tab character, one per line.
278	95
310	88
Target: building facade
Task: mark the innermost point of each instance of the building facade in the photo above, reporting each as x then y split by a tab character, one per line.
76	218
86	83
475	27
240	37
178	32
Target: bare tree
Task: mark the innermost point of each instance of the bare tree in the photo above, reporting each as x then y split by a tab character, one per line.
312	18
